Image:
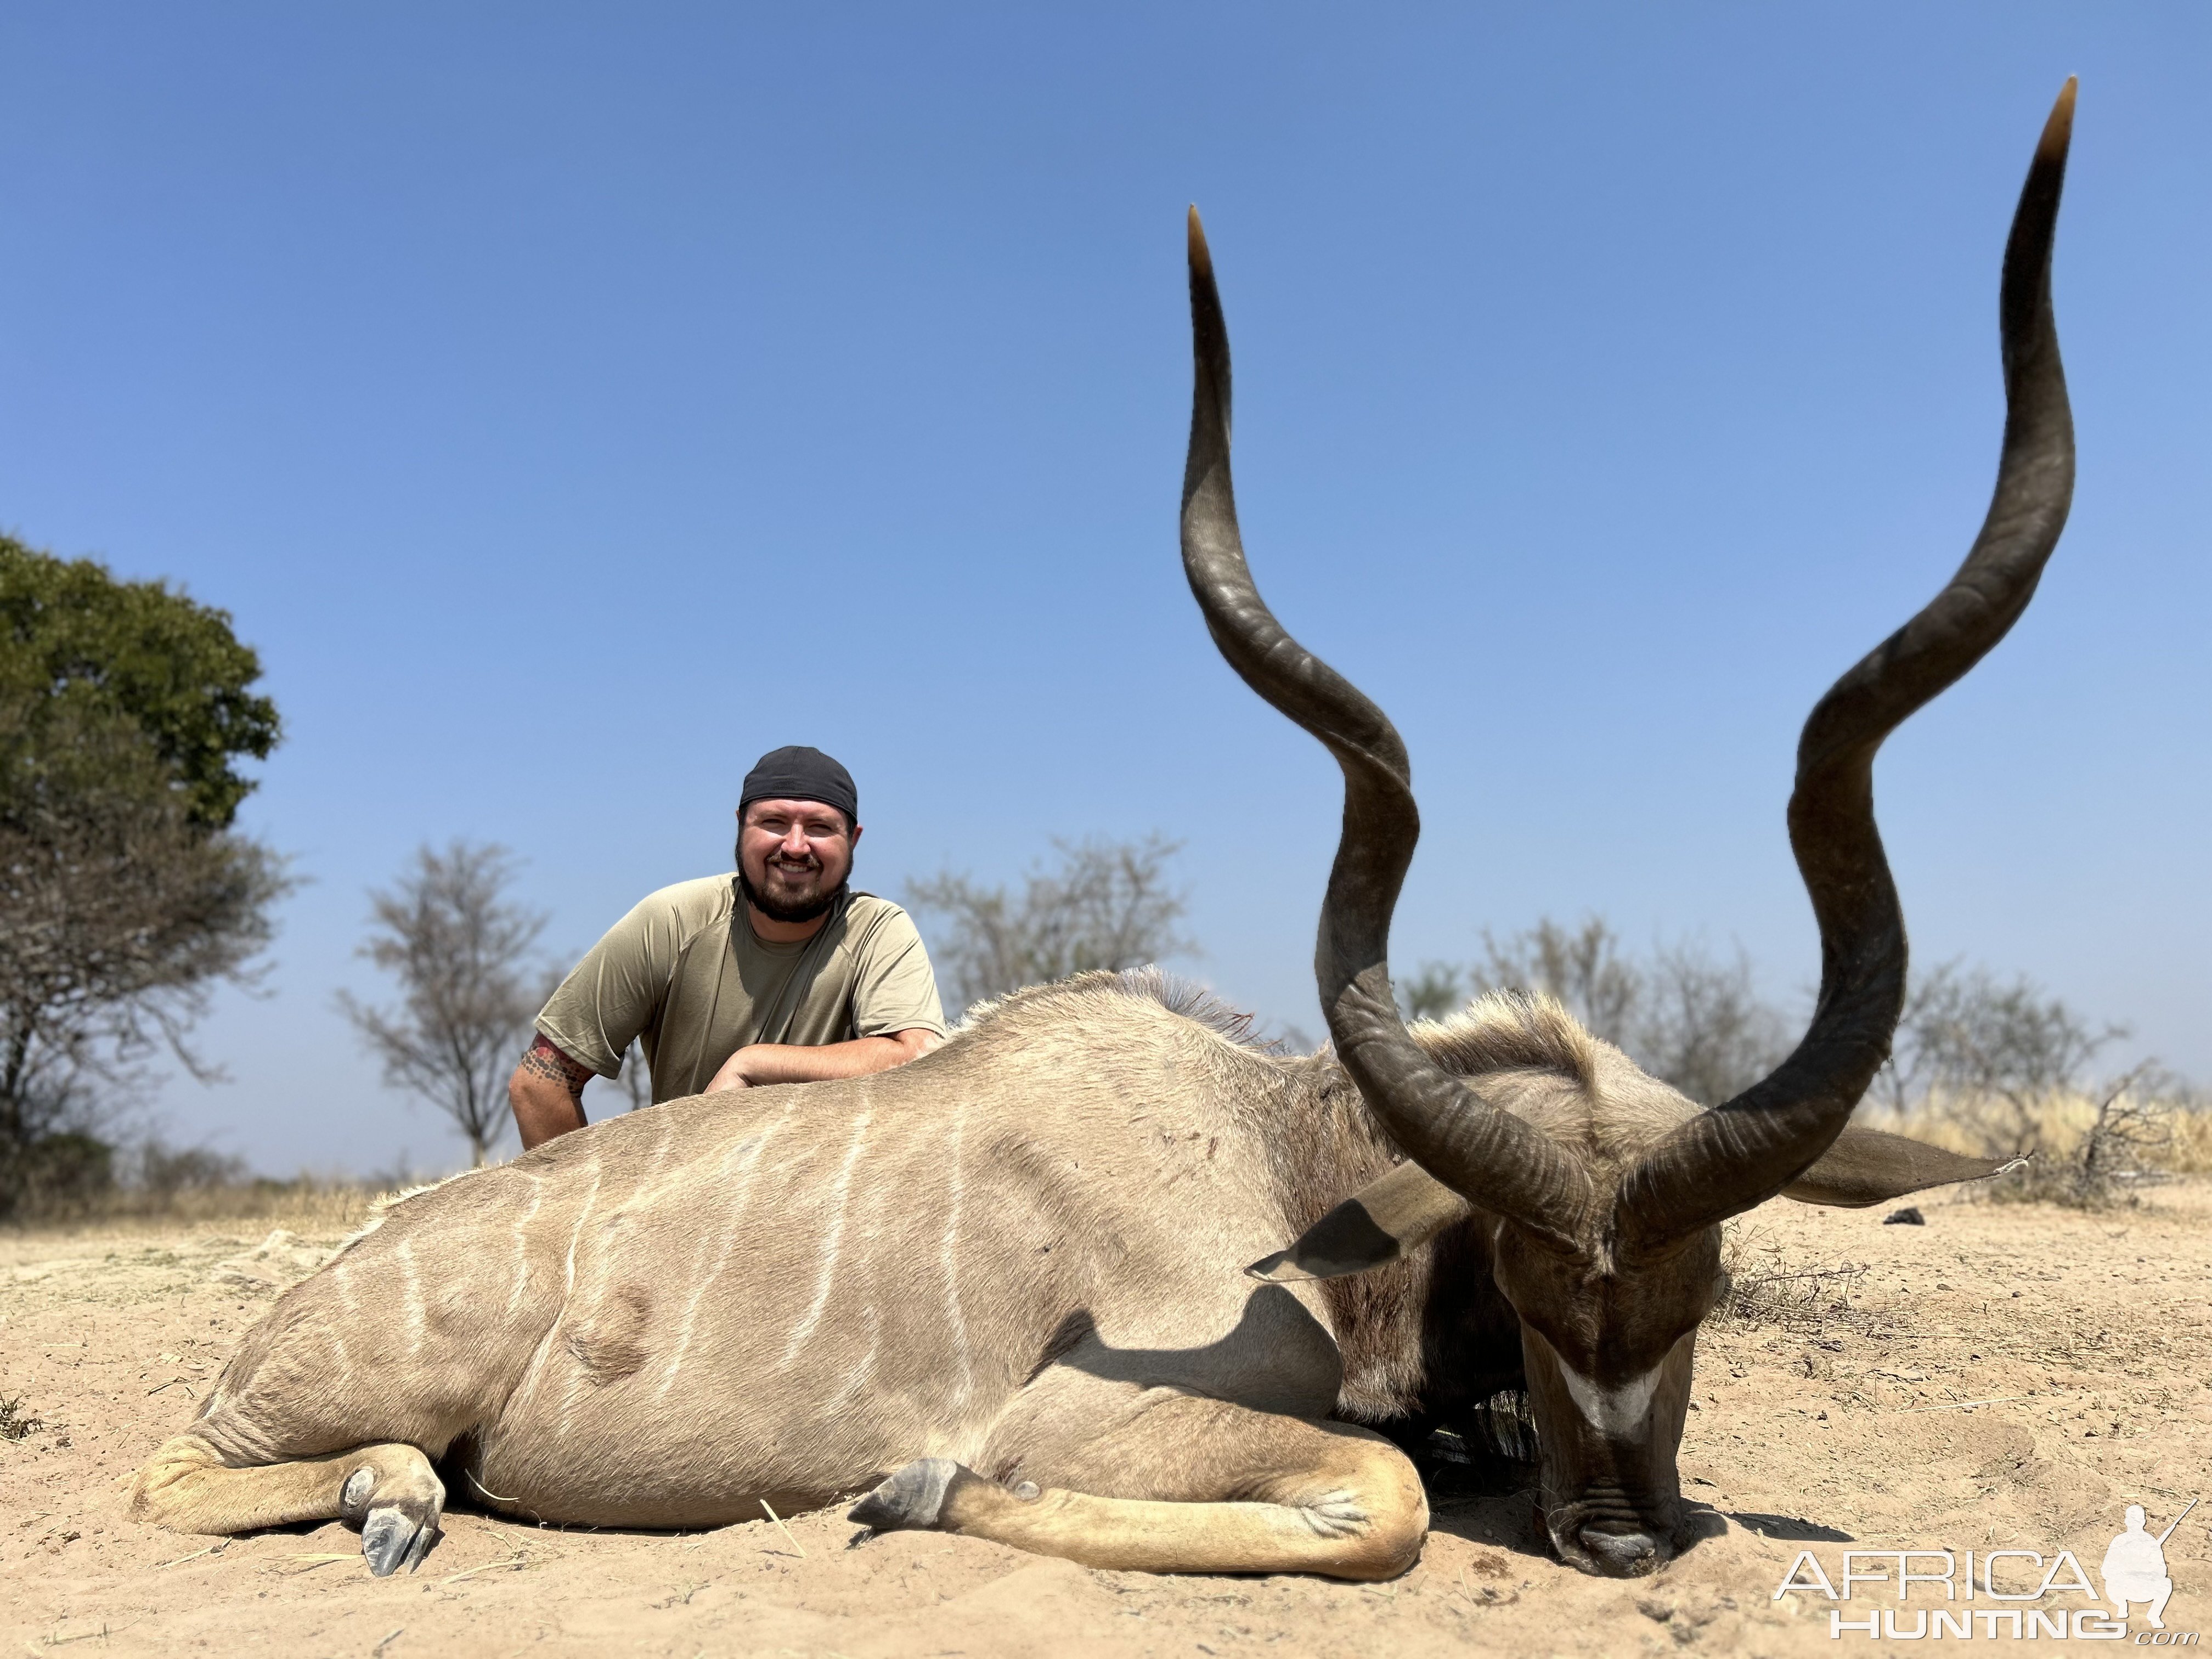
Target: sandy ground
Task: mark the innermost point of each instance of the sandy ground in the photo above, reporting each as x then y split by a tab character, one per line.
2090	1336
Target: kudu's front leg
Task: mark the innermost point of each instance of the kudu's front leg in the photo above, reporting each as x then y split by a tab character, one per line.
389	1490
1180	1483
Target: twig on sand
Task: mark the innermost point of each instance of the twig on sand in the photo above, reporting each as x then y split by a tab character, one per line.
309	1563
1969	1405
212	1549
105	1631
518	1559
395	1635
785	1530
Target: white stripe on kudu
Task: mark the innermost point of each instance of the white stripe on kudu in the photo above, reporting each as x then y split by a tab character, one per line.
843	1192
522	1243
739	1162
411	1288
955	1322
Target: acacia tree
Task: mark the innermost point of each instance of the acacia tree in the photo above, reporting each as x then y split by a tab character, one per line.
1582	968
1108	904
1703	1026
1684	1016
1994	1051
125	894
470	987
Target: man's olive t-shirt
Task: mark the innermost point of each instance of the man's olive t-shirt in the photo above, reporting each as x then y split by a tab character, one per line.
685	974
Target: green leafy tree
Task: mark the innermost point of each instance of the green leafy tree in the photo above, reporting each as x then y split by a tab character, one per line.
78	643
125	894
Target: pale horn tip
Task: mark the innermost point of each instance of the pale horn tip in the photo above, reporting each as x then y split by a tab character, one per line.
2058	130
1201	259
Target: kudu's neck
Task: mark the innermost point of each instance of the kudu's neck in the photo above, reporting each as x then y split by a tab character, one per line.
1407	1331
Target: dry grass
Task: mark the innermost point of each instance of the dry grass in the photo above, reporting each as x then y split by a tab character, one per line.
304	1205
2056	1128
2190	1151
2089	1151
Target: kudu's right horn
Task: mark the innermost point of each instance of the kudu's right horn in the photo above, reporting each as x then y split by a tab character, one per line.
1487	1155
1722	1162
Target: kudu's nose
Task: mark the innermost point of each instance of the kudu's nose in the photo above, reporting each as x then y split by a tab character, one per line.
1622	1554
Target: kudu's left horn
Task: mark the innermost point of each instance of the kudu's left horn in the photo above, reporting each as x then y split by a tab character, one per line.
1722	1162
1487	1155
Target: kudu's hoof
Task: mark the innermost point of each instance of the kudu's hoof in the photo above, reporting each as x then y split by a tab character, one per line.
395	1501
914	1498
391	1538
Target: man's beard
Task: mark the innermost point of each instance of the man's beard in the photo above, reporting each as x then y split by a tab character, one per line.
788	909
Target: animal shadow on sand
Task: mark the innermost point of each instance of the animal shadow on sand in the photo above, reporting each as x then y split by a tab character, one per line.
1788	1528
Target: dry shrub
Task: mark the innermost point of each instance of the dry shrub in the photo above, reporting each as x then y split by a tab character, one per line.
1764	1283
14	1422
2089	1151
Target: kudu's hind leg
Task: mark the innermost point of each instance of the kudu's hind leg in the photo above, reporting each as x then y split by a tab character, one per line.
388	1491
1225	1490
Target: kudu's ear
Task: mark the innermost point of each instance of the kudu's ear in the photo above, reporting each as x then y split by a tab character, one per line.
1867	1166
1385	1221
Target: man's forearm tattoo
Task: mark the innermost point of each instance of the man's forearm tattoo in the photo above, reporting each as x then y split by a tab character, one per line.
547	1061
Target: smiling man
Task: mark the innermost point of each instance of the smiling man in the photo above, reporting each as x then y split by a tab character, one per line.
779	974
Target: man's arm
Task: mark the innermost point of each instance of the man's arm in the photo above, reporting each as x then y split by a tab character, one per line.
547	1093
764	1063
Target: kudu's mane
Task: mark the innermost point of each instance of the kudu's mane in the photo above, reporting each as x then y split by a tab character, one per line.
1067	999
1513	1030
1576	1086
1500	1032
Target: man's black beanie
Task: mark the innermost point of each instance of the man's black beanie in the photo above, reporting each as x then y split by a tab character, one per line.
798	773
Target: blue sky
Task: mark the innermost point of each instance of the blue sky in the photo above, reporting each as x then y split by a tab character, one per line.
570	403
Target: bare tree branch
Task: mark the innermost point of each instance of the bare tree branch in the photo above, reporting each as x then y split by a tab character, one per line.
1996	1052
470	989
1697	1022
1583	969
1704	1028
1108	904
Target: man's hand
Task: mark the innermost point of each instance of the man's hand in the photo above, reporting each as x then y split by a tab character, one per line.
764	1063
547	1093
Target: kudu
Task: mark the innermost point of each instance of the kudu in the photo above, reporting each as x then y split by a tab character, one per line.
1008	1275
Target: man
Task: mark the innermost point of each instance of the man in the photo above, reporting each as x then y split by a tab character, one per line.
780	974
